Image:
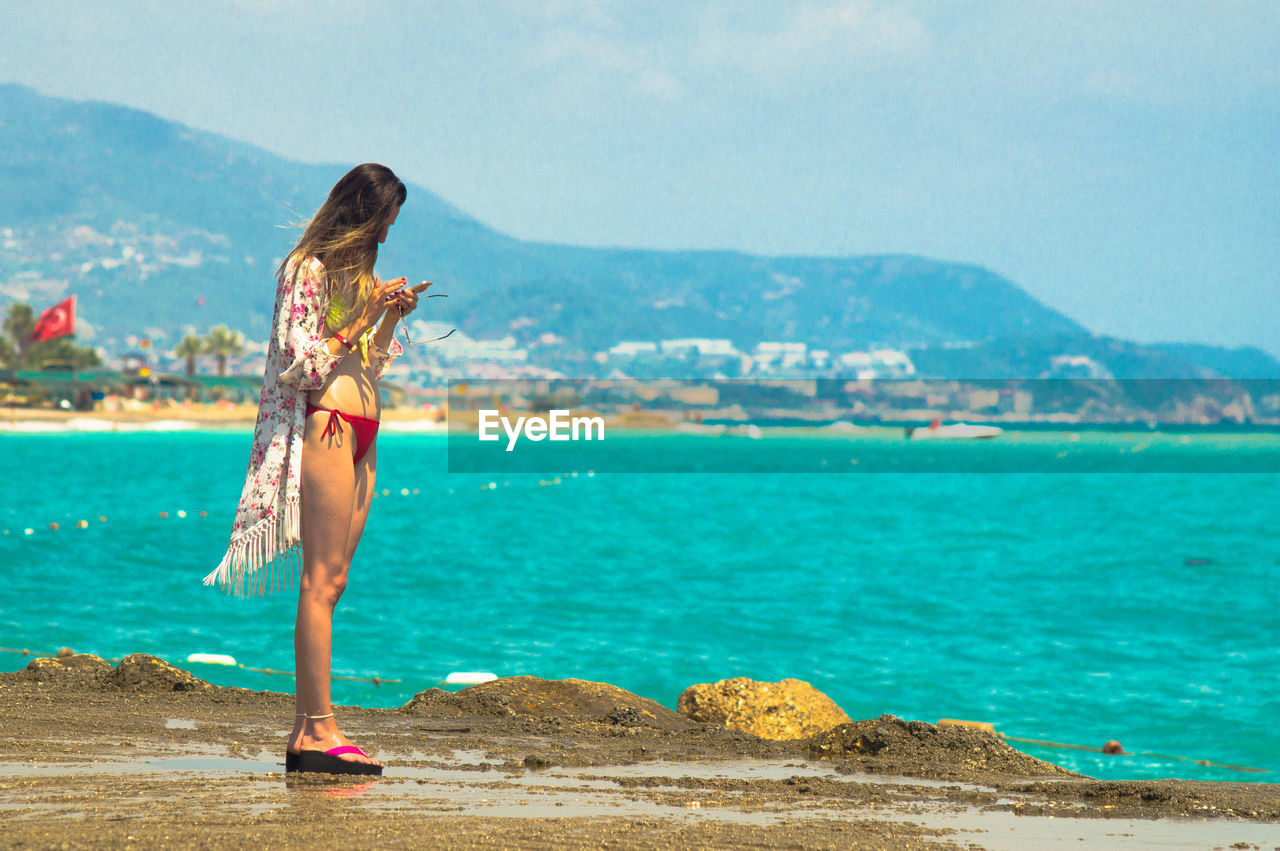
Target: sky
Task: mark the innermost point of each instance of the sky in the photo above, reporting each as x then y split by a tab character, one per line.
1118	160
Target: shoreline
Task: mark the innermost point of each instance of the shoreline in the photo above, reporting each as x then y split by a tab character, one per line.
144	753
181	417
190	417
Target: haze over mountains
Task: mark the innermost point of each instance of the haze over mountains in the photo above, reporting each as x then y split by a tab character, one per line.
160	228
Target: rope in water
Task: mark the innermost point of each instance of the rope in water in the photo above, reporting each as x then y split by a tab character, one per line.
1110	748
1204	762
182	514
377	681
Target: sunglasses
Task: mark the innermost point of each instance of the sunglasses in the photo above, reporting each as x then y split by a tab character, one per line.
405	326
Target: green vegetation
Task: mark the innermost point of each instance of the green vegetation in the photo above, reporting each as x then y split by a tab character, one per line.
190	348
113	202
223	343
18	352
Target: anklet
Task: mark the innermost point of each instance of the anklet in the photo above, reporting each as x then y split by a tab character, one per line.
317	717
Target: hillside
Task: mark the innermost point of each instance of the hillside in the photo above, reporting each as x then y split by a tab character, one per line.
206	213
159	229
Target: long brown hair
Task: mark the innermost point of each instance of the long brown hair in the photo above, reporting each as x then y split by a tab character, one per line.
343	234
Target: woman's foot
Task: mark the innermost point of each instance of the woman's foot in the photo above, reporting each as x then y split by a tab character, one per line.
322	734
295	736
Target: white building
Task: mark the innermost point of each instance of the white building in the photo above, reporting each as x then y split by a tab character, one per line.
704	346
1076	366
778	355
881	363
632	348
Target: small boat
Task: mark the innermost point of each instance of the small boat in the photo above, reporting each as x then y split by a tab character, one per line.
699	428
955	431
750	430
842	427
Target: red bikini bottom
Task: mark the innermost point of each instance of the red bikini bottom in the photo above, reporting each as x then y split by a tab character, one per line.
365	429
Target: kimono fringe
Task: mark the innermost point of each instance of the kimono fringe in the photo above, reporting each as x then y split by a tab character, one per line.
265	557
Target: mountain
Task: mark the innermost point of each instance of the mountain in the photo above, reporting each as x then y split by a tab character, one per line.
1242	362
158	228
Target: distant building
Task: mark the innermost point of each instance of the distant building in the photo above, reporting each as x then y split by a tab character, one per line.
771	356
983	398
893	362
1075	366
632	348
881	363
1015	401
704	347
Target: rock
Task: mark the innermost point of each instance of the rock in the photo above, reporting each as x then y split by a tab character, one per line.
869	738
790	709
139	672
78	669
438	703
916	748
580	701
144	672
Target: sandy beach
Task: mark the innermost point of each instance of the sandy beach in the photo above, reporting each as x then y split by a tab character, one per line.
143	754
219	415
132	413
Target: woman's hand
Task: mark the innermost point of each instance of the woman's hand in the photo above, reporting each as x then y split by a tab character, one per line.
381	297
406	300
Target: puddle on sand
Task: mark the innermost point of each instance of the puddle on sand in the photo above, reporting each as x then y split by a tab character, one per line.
453	786
559	792
206	763
1006	831
745	769
760	769
261	763
180	724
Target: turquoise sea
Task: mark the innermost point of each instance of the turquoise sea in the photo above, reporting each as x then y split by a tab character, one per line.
1072	607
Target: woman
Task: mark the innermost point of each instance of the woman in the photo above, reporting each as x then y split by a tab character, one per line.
312	466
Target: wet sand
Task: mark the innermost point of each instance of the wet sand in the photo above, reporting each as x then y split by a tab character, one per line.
143	754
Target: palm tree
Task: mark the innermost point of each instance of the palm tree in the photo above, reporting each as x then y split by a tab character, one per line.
63	349
223	343
190	348
18	352
19	324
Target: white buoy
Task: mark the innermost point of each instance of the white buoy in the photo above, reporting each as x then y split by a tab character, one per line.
212	659
468	678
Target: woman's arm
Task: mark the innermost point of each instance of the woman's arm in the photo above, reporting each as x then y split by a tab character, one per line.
308	354
386	347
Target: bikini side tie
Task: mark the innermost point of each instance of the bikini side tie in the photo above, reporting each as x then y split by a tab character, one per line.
333	428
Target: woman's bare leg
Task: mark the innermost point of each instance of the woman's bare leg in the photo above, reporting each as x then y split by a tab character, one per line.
335	505
366	474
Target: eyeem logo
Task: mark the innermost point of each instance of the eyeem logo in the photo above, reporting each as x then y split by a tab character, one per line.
559	426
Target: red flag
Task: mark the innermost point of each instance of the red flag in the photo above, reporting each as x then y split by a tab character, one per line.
57	321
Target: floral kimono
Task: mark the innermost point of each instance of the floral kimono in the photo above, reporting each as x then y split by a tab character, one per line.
266	538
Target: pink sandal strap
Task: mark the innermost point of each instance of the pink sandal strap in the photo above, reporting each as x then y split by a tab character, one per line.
338	751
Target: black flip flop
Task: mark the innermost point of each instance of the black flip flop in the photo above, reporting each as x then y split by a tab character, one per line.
329	762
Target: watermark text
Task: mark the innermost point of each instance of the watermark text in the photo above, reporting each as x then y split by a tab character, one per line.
558	425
